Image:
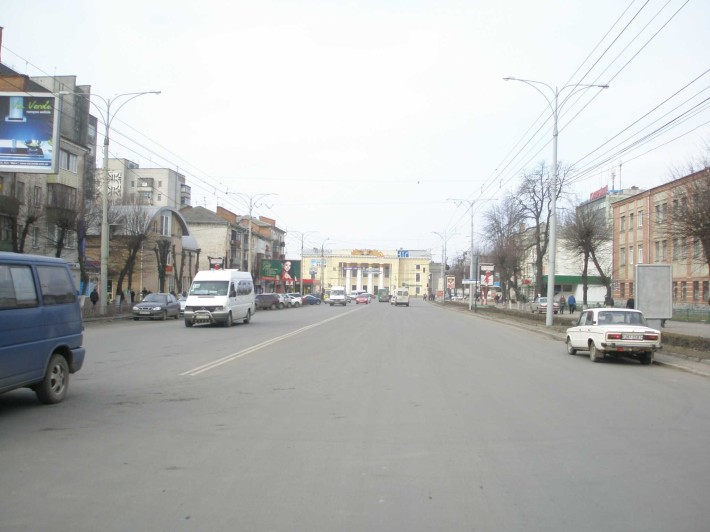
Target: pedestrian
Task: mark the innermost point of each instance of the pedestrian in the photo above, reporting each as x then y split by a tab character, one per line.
133	296
94	298
562	304
630	303
572	302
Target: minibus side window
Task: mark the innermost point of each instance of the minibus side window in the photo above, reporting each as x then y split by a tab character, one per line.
17	288
57	286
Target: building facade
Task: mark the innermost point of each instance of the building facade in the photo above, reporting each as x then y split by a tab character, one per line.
643	235
367	269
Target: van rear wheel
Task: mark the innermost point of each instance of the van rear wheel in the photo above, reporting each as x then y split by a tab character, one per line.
55	384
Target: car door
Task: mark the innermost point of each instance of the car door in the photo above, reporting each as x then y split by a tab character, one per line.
578	334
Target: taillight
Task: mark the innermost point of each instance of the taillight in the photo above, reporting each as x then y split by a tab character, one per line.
613	336
653	337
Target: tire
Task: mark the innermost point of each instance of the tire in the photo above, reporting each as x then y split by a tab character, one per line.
164	317
594	354
177	316
646	358
570	350
135	319
318	302
53	388
228	322
247	319
188	323
273	306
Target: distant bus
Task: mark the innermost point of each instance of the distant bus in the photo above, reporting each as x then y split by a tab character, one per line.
383	295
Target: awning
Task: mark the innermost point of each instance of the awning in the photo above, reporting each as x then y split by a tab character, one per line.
574	279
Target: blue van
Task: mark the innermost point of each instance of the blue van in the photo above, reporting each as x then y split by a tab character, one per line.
41	330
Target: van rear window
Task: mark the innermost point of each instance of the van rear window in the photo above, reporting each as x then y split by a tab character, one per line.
17	288
57	286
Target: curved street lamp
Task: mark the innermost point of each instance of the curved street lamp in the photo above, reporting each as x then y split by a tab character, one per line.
553	178
107	117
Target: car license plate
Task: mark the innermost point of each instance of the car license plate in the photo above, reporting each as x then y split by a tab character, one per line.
145	312
633	337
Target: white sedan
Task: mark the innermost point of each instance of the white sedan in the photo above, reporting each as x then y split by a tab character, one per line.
613	332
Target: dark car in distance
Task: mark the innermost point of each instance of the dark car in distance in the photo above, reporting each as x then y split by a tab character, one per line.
268	301
310	299
157	305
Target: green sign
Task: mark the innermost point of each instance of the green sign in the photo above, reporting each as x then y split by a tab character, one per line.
284	270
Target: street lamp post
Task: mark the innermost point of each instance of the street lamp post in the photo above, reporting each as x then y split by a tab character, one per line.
322	268
252	201
553	179
303	235
470	204
442	274
107	117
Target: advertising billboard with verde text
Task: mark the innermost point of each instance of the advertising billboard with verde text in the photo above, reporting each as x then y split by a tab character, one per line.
29	125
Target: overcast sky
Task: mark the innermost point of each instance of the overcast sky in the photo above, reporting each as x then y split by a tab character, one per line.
364	117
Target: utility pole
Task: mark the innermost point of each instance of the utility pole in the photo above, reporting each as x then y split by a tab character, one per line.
251	201
555	108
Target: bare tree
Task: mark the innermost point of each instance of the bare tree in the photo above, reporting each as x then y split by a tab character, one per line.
534	195
28	211
136	227
162	254
62	214
586	231
690	218
503	224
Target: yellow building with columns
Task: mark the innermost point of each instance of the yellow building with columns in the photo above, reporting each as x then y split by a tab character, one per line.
366	269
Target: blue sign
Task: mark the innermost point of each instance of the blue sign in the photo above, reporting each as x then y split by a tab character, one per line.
402	253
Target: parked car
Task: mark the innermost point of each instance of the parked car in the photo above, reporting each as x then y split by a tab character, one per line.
309	299
285	301
296	300
362	298
268	301
613	332
540	306
157	305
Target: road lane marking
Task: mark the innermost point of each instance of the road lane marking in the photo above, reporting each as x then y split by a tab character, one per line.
234	356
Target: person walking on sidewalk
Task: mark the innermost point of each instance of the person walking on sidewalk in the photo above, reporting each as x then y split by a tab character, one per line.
572	302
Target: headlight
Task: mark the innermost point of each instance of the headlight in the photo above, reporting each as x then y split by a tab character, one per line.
157	308
136	309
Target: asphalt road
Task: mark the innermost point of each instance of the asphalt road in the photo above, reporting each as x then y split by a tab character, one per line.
366	417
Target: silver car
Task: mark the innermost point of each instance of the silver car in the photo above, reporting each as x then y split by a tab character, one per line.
158	305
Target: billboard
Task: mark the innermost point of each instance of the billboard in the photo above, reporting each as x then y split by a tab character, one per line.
286	271
487	274
29	132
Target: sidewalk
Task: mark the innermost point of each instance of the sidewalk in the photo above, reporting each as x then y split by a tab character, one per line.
669	356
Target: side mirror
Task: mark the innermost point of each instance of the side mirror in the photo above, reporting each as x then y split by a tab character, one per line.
233	293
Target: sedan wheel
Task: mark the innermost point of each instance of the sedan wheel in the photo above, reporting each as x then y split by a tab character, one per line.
164	317
570	350
646	358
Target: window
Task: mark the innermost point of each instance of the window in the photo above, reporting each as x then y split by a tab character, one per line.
639	218
17	287
68	161
706	290
417	278
20	192
35	237
658	213
696	290
57	286
631	221
631	289
160	184
664	211
165	225
675	290
664	250
640	256
37	196
622	257
133	184
676	249
622	290
657	251
5	228
631	254
683	248
622	223
683	290
696	248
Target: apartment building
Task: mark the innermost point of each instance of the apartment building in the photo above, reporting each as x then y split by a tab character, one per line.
643	234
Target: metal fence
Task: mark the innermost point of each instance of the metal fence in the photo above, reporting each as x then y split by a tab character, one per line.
692	315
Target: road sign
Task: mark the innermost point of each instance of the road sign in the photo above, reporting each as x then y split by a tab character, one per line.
402	253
